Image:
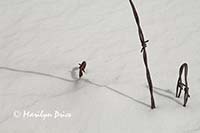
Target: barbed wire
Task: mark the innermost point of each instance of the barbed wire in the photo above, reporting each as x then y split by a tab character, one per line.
143	50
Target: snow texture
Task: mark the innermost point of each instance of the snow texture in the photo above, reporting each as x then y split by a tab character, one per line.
42	42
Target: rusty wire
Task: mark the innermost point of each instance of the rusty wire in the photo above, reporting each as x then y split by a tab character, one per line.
143	50
181	85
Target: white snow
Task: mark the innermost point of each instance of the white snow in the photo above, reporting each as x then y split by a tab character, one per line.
42	42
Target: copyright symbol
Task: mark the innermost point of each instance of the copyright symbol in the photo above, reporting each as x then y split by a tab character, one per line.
17	114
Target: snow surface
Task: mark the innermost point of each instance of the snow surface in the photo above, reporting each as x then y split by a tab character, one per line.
42	42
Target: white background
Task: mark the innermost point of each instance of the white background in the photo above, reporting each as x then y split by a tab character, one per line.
42	42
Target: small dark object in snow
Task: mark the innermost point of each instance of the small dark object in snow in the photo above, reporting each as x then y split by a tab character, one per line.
82	67
181	85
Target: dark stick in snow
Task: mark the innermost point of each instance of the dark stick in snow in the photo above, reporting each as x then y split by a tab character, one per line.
180	85
143	50
82	67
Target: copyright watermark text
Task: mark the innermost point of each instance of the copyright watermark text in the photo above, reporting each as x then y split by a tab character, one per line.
41	114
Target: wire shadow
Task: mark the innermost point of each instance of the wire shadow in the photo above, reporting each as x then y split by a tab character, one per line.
118	92
166	91
76	87
75	80
36	73
73	74
156	91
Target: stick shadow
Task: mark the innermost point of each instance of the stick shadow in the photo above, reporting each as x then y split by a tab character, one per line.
165	91
36	73
168	92
118	92
75	81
